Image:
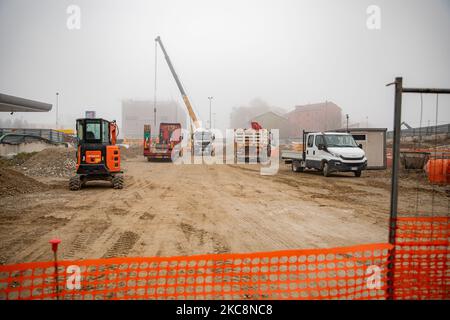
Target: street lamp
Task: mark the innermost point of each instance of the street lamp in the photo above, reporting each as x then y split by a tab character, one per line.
210	99
57	106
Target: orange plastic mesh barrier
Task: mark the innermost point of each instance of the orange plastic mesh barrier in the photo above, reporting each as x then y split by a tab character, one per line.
421	268
340	273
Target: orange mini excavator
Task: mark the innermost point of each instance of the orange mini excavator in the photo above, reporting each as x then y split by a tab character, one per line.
98	156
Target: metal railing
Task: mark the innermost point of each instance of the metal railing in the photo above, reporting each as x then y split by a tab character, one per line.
50	134
424	131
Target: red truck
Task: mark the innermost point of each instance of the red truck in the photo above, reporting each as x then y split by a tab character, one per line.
161	146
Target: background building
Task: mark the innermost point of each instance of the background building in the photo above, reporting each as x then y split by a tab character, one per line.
242	116
137	113
272	120
314	117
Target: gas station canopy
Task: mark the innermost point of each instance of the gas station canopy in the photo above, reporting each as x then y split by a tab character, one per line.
16	104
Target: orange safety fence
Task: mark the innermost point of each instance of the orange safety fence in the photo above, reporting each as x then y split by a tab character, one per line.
420	271
421	260
357	272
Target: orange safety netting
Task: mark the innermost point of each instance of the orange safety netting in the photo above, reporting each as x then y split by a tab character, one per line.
420	271
357	272
421	260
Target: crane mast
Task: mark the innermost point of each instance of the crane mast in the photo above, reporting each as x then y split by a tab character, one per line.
186	100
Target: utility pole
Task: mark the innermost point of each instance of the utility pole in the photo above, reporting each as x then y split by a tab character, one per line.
155	87
346	116
210	99
57	106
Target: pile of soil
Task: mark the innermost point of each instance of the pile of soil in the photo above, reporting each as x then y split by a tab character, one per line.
16	160
133	151
13	182
54	162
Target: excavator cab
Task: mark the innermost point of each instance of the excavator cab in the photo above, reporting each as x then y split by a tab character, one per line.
98	156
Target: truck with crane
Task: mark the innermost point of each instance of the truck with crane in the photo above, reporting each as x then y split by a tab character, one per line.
161	146
252	144
201	139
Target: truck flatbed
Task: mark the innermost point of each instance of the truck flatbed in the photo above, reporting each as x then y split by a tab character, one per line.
292	155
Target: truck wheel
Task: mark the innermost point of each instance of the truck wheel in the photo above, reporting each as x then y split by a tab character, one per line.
117	181
296	167
358	173
326	169
75	183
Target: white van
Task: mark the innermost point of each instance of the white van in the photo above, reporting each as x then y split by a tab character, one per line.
328	152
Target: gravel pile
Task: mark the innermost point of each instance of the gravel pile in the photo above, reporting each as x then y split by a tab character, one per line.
56	162
53	162
16	160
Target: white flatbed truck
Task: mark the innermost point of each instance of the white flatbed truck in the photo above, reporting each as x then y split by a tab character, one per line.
328	152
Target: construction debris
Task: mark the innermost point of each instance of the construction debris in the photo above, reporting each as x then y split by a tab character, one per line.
54	162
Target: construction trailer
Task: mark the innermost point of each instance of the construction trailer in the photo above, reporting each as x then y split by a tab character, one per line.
373	141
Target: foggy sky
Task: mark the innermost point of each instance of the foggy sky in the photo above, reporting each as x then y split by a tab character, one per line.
284	52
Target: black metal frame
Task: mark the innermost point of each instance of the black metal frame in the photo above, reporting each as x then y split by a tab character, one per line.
305	133
399	90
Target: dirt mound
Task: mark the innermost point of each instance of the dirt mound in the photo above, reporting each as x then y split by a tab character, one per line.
13	182
133	151
54	162
16	160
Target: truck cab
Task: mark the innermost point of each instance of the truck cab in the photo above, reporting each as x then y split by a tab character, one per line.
161	145
203	142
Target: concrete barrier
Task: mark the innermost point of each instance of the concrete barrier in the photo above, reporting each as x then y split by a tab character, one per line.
9	150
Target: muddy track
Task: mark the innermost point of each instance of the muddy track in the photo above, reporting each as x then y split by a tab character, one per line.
123	245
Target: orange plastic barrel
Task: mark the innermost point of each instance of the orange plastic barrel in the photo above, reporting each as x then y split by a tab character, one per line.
438	170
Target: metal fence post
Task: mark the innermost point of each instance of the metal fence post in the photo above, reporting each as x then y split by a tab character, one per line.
394	182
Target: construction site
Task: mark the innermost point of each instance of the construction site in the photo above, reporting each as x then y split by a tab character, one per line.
159	214
297	204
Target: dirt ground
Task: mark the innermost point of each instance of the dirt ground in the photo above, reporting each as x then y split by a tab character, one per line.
167	210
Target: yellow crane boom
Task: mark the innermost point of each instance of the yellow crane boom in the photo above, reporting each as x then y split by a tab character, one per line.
187	103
